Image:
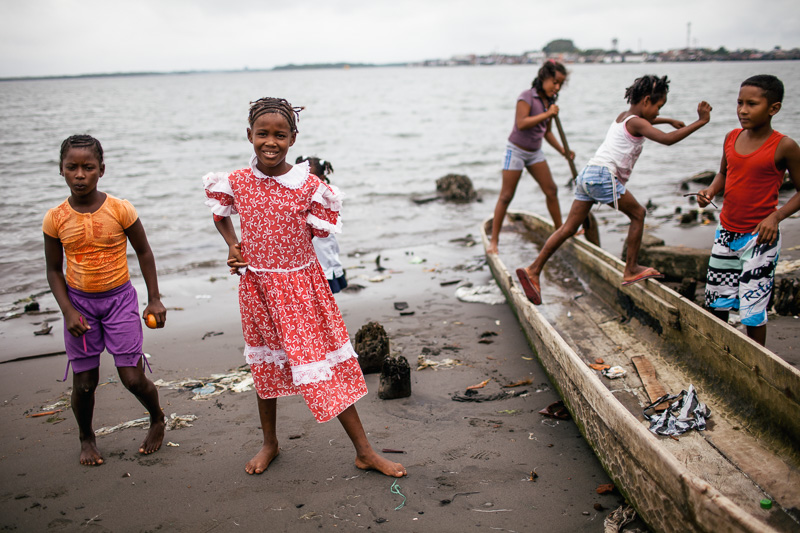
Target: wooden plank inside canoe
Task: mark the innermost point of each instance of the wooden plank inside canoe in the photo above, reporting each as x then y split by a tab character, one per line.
652	386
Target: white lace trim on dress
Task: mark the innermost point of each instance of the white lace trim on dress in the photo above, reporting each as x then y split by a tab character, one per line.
302	374
323	225
294	179
263	354
217	182
330	198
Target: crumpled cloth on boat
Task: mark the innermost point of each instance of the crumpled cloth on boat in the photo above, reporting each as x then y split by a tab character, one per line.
685	413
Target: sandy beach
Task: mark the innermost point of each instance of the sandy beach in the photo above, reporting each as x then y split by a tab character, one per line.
495	465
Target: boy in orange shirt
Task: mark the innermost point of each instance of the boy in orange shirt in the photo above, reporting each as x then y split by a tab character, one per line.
747	243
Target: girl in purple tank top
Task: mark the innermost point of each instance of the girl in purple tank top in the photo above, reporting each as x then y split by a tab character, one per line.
535	107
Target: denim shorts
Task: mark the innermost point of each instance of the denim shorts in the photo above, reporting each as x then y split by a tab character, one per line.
518	159
595	184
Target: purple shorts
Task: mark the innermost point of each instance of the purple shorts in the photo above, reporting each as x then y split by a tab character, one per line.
113	317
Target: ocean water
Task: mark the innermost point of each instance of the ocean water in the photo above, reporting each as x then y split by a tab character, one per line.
389	133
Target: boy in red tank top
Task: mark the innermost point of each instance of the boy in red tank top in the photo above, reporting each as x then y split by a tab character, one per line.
748	241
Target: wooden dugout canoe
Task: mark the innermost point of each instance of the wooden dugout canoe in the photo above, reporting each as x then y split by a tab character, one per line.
710	481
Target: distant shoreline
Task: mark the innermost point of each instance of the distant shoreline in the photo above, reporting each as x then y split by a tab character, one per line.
334	66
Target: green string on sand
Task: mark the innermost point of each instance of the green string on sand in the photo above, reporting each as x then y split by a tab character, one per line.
395	489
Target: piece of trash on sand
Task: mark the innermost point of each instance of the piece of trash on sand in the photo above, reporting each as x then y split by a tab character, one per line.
447	501
614	372
392	450
599	360
378	279
556	410
401	306
416	260
449	282
45	330
533	475
395	489
205	390
211	334
45	413
620	516
239	380
174	421
480	385
473	396
605	488
597	366
485	294
519	383
423	363
173	444
684	413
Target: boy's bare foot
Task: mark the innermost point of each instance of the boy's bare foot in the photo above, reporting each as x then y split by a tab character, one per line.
90	455
262	459
373	461
155	436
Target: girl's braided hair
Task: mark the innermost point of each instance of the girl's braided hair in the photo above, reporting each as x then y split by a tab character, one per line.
80	141
262	106
546	71
653	86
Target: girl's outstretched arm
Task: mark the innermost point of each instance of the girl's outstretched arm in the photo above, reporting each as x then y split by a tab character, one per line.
677	124
147	264
225	227
54	259
641	127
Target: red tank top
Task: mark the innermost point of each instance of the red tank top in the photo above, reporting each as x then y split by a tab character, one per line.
751	184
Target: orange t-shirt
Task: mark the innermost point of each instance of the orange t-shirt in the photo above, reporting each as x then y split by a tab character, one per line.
95	244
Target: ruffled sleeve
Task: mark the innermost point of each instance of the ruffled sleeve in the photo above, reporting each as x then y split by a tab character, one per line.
219	195
323	216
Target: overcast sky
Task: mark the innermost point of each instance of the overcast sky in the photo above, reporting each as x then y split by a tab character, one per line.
58	37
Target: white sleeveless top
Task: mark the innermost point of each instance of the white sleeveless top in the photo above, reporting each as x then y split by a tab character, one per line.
619	151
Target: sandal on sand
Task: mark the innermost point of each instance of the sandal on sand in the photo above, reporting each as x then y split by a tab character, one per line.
530	289
647	273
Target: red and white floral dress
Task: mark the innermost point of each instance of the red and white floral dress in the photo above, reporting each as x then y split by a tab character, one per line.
295	339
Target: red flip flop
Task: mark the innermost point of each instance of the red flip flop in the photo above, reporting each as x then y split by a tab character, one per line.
647	273
531	290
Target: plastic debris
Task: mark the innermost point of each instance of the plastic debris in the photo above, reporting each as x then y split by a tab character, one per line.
605	488
172	444
614	372
395	489
423	363
174	421
620	516
416	260
599	366
556	410
480	385
685	413
240	380
519	383
485	294
472	396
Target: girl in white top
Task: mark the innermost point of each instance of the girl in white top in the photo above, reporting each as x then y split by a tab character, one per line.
604	177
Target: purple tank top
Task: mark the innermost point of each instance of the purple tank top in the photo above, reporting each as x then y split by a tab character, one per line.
531	138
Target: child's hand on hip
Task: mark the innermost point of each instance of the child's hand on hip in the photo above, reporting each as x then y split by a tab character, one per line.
767	230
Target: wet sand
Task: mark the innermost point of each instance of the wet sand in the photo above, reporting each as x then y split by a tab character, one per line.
479	456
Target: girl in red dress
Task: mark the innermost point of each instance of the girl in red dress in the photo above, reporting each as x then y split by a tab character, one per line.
295	339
